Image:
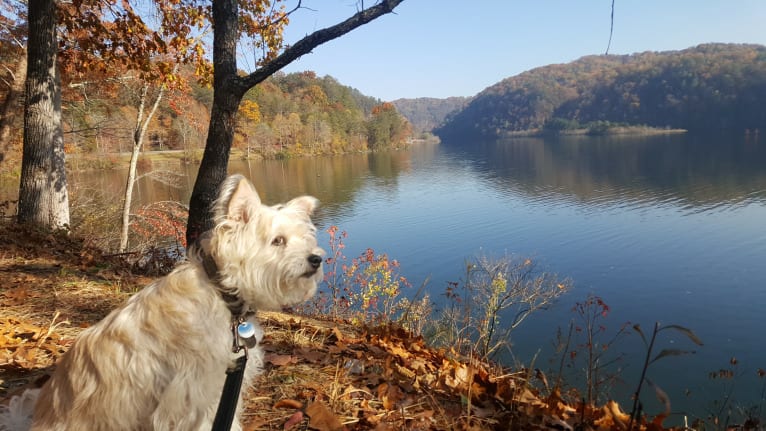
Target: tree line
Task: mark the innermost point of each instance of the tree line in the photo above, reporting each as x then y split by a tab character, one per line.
711	86
146	44
286	115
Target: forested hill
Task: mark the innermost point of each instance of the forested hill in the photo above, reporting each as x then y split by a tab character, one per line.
286	115
711	86
425	113
302	113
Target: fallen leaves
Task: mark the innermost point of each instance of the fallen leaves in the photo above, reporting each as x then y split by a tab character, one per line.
386	379
28	346
390	395
321	418
288	404
280	360
51	286
21	293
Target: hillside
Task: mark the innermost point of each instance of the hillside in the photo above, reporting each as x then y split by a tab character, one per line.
304	113
711	86
426	113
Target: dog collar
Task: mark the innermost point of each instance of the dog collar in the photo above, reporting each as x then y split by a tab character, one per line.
234	302
211	268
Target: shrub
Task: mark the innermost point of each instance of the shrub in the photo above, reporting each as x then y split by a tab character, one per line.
493	289
588	348
364	290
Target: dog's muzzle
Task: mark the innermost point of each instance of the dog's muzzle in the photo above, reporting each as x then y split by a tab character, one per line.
315	261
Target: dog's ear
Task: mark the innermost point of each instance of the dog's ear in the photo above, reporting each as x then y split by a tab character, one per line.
243	200
305	204
238	198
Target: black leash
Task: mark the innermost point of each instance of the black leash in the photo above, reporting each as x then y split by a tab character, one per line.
245	338
243	334
230	396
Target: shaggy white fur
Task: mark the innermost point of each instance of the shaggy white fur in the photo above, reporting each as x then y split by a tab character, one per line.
159	362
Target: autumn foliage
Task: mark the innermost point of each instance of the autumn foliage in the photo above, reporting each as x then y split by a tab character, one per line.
161	224
365	290
150	37
707	87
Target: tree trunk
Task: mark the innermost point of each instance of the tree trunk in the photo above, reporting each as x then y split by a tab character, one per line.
10	105
220	135
43	198
228	90
139	132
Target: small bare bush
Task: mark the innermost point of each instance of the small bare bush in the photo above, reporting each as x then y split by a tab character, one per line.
497	295
93	215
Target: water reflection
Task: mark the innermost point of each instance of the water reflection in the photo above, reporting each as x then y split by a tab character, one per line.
666	229
335	181
693	172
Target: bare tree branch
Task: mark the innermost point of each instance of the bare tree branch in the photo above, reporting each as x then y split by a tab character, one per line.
308	43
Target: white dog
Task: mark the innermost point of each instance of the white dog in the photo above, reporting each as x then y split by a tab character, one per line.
159	362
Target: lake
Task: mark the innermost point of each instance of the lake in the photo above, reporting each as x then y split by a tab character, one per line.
669	229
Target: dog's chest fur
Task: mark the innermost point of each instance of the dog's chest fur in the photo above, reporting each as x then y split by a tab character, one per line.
163	355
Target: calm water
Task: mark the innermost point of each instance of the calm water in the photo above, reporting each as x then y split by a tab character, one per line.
669	229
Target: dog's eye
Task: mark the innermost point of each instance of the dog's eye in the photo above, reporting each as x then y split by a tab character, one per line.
279	241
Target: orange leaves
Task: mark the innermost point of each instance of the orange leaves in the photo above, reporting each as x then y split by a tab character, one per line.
456	376
416	367
316	95
13	333
612	417
20	294
263	22
97	36
321	418
280	360
390	395
250	111
161	223
288	404
28	346
383	108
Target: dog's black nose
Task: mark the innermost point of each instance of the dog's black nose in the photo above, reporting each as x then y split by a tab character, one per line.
315	260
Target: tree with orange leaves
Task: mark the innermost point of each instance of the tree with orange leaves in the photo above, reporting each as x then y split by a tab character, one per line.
101	33
386	127
229	87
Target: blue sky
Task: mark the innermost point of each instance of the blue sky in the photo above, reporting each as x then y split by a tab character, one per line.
441	48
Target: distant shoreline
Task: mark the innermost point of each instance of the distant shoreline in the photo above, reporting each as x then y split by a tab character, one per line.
611	131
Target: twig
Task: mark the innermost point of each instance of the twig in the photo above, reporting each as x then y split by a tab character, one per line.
611	30
636	402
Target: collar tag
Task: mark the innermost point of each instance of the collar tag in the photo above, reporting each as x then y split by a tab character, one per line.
247	334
